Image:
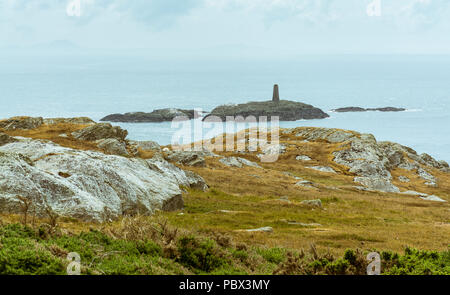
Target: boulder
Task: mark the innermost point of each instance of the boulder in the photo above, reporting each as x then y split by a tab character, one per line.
113	146
5	139
433	198
76	120
305	183
312	203
87	185
161	115
303	158
21	123
100	131
188	158
238	162
322	169
266	229
359	109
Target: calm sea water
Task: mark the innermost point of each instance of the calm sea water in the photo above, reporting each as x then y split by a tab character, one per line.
97	85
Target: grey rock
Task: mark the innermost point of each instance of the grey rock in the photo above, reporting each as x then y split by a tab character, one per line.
414	193
313	203
359	109
425	175
189	158
378	184
238	162
322	169
5	139
303	158
404	179
266	229
87	185
113	146
21	123
433	198
76	120
161	115
305	183
100	131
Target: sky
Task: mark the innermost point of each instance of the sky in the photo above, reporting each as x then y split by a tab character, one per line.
229	27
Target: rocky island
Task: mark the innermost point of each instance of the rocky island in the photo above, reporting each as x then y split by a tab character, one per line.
161	115
286	110
359	109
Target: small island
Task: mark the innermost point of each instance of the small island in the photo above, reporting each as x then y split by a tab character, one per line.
161	115
286	110
359	109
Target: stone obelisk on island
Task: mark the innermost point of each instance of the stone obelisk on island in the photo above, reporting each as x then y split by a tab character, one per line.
276	94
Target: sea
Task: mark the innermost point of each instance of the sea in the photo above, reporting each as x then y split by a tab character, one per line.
99	84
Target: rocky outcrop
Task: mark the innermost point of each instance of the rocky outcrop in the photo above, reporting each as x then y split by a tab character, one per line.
303	158
21	123
5	138
162	115
113	146
195	159
358	109
87	185
322	169
238	162
100	131
371	161
76	120
286	110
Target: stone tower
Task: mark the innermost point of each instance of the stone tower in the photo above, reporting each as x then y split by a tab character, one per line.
276	94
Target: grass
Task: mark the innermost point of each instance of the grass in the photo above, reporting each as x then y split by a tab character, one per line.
149	246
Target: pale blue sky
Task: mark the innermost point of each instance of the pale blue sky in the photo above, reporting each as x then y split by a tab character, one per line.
232	27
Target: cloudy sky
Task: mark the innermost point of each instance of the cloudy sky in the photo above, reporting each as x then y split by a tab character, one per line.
252	27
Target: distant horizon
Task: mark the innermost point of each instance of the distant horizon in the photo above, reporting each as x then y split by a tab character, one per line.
256	28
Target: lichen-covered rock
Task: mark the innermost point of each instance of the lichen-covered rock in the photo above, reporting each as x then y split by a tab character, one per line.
21	123
87	185
5	138
100	131
313	203
378	184
76	120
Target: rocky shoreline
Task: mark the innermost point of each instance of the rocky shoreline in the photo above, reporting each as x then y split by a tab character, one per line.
161	115
284	109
